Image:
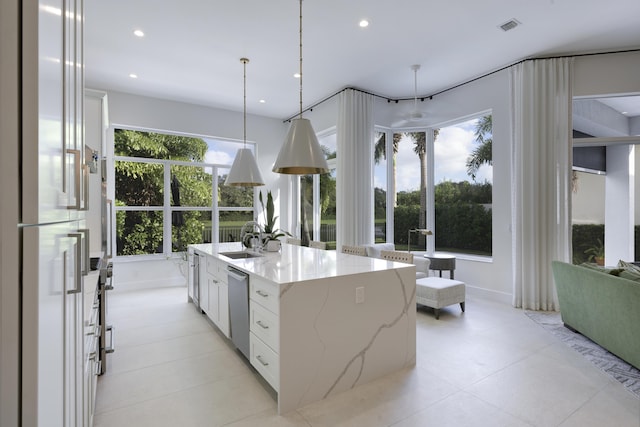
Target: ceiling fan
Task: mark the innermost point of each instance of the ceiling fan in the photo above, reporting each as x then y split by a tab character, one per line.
414	116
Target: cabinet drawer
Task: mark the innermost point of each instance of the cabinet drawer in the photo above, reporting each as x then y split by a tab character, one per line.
265	293
265	360
265	325
217	268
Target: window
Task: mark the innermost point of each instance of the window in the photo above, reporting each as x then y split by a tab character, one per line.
318	199
170	193
462	173
380	186
410	179
463	186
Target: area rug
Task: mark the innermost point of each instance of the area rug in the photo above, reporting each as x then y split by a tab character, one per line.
617	368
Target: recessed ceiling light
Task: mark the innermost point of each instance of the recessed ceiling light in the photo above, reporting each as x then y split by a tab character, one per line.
625	112
364	23
133	76
139	33
296	75
262	101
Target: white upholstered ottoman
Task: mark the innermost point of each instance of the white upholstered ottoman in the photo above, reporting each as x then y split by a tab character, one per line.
437	292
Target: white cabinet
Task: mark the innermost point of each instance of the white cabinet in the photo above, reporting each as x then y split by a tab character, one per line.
54	175
54	184
218	294
214	291
53	340
264	327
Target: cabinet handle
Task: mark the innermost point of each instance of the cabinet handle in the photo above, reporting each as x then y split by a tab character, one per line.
259	357
85	170
262	325
87	259
111	347
111	227
262	294
76	179
78	264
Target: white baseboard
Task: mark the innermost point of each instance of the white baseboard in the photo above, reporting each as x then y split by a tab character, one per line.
149	274
501	297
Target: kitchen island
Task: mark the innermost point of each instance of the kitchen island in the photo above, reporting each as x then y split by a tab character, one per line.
322	322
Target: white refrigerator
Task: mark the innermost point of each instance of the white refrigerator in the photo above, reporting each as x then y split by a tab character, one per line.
44	240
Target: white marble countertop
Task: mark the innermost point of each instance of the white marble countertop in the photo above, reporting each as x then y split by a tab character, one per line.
298	263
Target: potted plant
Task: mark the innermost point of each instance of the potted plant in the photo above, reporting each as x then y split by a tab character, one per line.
596	253
270	232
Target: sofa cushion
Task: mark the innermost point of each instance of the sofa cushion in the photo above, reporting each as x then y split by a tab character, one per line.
629	271
606	270
422	266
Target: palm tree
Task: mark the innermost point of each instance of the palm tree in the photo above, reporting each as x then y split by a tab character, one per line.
380	152
482	153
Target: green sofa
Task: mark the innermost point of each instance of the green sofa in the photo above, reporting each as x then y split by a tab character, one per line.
601	306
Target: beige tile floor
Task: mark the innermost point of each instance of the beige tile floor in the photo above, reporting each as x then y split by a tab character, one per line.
491	366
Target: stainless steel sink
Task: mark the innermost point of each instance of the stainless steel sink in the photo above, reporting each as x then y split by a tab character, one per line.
240	255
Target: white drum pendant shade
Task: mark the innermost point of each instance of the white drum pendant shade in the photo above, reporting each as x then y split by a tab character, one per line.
301	153
244	170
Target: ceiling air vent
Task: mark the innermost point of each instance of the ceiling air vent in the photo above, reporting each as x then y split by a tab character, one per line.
510	24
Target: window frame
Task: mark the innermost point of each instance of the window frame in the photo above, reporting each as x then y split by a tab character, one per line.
430	153
167	209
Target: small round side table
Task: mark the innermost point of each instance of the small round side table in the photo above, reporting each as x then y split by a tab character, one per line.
442	262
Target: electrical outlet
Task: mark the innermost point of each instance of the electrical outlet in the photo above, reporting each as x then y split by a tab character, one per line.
360	295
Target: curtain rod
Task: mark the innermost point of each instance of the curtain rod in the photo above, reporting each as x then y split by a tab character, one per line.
423	97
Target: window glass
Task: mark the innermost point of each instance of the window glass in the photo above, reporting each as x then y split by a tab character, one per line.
306	209
230	195
138	183
380	187
139	232
231	223
463	187
317	197
327	190
409	170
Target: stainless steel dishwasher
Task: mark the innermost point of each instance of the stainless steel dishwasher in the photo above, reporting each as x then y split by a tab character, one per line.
239	309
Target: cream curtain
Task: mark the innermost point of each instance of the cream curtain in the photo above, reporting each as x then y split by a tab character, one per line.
541	177
354	174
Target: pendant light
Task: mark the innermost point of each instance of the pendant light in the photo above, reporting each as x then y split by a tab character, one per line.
244	170
301	153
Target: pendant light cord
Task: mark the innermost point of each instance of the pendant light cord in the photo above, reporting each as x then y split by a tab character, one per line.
244	91
300	59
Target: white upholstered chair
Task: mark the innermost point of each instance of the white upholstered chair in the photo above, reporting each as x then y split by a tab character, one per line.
421	263
397	256
354	250
294	241
317	244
